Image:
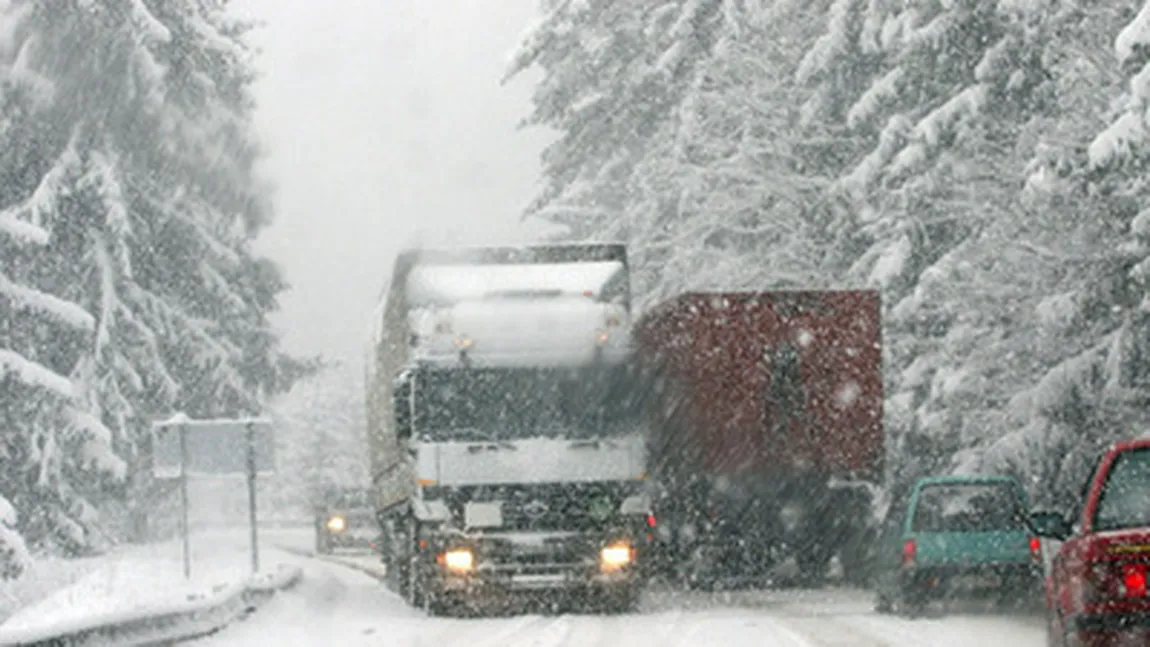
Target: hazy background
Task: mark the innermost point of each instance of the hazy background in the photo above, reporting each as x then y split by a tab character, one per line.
386	126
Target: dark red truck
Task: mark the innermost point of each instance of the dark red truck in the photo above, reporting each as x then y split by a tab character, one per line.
764	412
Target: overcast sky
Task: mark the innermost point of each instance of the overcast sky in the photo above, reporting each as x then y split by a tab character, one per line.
386	125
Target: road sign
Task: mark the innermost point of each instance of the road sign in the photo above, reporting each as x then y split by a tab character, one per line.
183	447
215	447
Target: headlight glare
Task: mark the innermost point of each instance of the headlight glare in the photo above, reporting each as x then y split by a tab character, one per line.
459	560
615	556
337	524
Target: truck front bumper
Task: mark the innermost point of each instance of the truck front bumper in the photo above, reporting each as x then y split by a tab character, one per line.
524	582
559	563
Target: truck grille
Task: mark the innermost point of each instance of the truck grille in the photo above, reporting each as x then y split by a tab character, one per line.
552	555
566	507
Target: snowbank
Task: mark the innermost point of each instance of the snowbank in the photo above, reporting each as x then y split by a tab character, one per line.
143	592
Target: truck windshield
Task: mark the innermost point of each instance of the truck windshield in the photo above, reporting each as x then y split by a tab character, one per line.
969	507
1125	500
514	403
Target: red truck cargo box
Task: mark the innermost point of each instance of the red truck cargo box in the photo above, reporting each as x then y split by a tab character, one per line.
755	382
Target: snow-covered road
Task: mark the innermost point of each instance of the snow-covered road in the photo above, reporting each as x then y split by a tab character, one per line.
335	605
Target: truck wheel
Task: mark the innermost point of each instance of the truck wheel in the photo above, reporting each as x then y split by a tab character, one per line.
813	561
855	558
619	600
416	585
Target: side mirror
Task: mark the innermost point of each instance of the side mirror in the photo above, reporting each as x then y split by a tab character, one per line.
1050	525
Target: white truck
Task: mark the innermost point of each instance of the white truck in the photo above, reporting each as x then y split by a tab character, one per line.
506	449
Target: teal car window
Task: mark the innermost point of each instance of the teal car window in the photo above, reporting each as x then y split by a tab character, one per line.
1125	500
968	507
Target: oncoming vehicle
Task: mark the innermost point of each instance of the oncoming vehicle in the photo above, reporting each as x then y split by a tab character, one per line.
1096	593
955	536
507	456
345	518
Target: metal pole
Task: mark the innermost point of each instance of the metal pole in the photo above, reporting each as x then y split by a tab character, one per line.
251	430
185	530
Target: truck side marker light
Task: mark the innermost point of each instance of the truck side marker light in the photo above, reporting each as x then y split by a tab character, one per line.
425	482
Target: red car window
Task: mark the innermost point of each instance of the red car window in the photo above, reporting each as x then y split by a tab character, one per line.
1125	497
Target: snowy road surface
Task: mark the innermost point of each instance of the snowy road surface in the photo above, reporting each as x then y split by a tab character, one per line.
335	605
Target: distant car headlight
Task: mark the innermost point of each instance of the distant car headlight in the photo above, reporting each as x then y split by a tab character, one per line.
459	560
615	556
336	524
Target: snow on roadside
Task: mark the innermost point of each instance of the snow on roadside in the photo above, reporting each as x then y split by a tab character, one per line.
128	582
40	579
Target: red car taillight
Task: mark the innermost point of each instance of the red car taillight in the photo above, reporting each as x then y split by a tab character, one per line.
1133	580
909	551
1103	581
1036	550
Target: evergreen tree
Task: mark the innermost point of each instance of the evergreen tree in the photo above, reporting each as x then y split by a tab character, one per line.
952	87
1083	240
615	74
129	163
726	199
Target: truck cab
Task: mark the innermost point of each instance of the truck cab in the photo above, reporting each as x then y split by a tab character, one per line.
518	463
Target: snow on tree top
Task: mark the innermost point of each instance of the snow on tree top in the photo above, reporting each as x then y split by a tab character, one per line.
456	283
23	232
65	312
7	513
1117	141
33	374
1135	34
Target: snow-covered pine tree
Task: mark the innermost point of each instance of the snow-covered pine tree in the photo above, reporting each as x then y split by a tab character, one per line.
951	86
1084	238
132	156
614	74
726	198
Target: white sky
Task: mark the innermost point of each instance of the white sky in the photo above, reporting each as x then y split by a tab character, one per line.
386	125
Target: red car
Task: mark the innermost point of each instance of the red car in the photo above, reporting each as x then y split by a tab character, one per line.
1096	592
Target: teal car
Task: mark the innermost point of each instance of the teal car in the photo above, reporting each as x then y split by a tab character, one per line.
950	536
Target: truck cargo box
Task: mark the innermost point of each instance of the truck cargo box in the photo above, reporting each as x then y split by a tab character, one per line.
759	382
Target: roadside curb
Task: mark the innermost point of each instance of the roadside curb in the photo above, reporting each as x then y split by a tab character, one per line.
199	616
370	571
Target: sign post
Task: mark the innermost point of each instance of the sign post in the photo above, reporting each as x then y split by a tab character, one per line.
251	453
185	526
214	449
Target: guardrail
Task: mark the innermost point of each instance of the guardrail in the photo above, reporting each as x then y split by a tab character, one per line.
163	625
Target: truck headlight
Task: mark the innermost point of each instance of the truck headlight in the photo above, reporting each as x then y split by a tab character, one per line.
337	524
615	556
459	560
